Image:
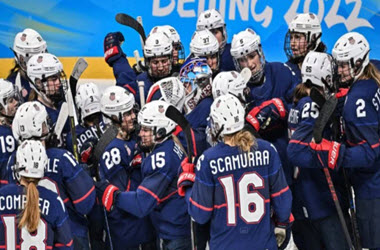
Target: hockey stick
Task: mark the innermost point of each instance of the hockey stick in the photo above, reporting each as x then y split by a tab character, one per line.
79	67
129	21
175	115
321	122
62	117
139	20
141	85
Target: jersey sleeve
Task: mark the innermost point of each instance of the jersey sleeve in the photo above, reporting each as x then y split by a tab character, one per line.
201	198
123	72
62	233
154	188
78	183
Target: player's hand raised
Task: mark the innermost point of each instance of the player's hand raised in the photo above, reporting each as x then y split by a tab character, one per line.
112	47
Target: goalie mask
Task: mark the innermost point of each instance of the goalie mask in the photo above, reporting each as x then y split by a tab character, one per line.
10	99
231	82
46	72
205	45
247	52
304	35
87	99
158	53
26	44
31	122
213	21
351	54
170	90
31	160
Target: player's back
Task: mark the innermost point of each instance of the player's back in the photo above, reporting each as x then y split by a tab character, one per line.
243	185
53	229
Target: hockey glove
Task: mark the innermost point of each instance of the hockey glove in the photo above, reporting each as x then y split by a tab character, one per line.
112	49
87	149
107	194
268	112
329	153
187	177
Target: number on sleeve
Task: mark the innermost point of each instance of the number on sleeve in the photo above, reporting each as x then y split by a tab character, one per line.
360	112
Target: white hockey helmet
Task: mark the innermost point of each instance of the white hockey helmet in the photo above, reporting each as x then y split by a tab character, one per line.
31	160
352	48
31	121
212	19
28	43
204	43
158	44
41	66
170	90
317	67
152	115
87	99
226	116
231	82
243	44
8	94
116	101
307	24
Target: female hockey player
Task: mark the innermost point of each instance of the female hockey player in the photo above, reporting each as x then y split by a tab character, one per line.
213	21
316	224
157	194
33	216
26	44
238	164
75	186
360	151
117	166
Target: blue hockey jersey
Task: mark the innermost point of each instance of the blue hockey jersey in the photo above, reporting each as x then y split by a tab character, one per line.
53	231
157	194
236	190
7	146
226	61
198	116
25	85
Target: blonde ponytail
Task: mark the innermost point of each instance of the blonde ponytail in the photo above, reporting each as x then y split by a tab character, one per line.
371	72
243	139
30	216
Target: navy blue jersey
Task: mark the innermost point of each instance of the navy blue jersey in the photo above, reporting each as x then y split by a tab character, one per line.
127	230
198	137
53	231
226	61
237	190
25	85
157	194
123	72
361	114
198	116
7	146
310	186
296	71
74	185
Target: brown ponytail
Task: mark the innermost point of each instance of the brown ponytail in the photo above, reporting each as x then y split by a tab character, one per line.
243	139
300	91
371	72
30	216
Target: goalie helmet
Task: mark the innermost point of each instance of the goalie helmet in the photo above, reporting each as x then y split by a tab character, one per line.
352	49
9	98
231	82
317	68
226	116
26	44
309	25
170	90
87	99
152	115
243	44
31	160
31	122
116	101
212	19
196	73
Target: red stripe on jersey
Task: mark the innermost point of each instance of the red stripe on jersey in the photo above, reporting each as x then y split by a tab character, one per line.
149	192
64	245
66	200
167	197
280	192
85	196
299	142
208	209
130	89
3	182
152	92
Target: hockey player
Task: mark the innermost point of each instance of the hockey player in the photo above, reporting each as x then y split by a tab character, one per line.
196	76
117	166
46	72
360	150
178	49
205	45
10	99
33	217
313	207
26	44
304	35
212	196
231	82
157	194
214	22
75	186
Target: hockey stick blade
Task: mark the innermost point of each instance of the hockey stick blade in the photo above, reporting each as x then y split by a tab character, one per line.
317	97
62	117
80	66
324	117
129	21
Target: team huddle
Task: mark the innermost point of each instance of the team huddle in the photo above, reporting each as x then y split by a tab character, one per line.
219	148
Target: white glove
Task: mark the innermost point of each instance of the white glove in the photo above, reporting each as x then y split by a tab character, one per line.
280	235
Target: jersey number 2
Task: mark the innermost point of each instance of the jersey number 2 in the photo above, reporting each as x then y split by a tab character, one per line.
28	241
251	203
